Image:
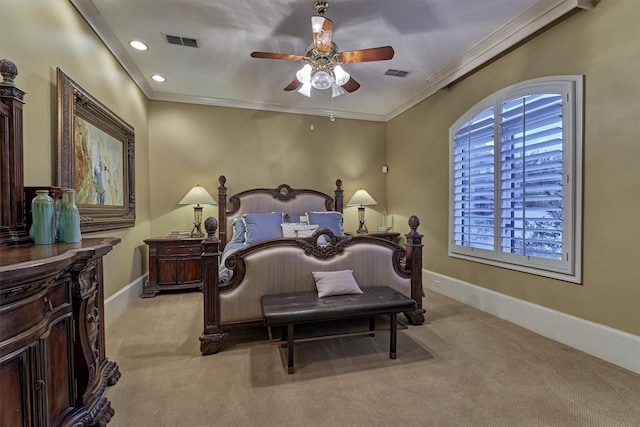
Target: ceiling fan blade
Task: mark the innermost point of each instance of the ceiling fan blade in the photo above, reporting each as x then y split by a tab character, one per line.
294	85
322	30
270	55
351	85
366	55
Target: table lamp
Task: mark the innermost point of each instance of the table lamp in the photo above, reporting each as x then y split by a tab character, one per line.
197	196
361	199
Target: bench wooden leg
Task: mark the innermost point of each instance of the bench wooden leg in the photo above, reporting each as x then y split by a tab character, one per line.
290	349
394	329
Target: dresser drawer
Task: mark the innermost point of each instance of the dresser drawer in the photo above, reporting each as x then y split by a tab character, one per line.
36	310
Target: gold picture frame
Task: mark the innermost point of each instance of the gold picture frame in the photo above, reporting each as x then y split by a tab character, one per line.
96	158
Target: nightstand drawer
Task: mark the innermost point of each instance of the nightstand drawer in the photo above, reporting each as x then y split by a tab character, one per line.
179	250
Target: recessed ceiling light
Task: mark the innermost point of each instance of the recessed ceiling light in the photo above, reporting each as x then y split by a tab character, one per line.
138	45
158	78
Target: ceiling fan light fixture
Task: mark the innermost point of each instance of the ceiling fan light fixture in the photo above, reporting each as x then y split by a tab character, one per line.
321	80
305	90
341	75
337	91
304	74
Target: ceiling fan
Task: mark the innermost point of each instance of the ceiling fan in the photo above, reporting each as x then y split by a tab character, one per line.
323	62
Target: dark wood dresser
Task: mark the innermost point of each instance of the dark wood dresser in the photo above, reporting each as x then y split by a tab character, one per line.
53	367
174	264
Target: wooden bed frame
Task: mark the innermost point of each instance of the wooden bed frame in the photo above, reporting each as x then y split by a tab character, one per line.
406	261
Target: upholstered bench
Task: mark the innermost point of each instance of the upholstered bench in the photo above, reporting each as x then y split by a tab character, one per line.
289	310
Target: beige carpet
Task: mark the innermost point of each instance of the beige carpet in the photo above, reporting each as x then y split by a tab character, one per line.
463	368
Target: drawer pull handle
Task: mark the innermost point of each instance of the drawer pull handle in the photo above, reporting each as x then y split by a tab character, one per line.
168	251
190	250
39	384
48	304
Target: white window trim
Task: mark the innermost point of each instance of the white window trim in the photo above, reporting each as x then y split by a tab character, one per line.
571	270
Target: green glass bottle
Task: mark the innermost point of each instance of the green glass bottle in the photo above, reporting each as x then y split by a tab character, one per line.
43	216
69	225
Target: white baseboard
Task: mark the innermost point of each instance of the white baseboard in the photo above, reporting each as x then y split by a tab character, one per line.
119	302
612	345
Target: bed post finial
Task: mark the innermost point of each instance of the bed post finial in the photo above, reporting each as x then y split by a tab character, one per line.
414	222
339	193
211	225
414	263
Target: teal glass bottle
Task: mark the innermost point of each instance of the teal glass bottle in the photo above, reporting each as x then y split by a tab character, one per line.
43	231
69	225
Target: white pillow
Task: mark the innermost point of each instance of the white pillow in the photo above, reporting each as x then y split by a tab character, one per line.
336	283
298	229
306	231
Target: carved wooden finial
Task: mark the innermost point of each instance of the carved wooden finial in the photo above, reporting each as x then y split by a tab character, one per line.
338	184
222	180
9	72
414	223
414	238
211	226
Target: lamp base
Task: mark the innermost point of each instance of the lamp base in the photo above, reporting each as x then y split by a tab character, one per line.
197	222
362	229
197	231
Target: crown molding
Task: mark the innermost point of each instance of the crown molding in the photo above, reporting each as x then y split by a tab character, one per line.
534	19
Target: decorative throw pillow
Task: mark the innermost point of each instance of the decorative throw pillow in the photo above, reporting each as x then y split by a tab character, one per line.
331	220
336	283
294	229
238	231
306	230
262	226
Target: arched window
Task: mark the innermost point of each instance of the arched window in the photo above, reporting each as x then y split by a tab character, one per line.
516	179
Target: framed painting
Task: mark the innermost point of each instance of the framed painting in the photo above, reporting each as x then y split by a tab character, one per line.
96	158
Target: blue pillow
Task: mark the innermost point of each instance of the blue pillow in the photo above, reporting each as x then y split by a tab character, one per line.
262	226
239	231
331	220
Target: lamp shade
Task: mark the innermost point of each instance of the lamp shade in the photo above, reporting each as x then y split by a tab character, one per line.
196	196
361	198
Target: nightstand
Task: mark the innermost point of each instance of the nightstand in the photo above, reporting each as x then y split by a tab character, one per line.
388	235
174	265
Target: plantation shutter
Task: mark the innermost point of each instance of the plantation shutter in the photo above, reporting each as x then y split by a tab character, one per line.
473	182
531	176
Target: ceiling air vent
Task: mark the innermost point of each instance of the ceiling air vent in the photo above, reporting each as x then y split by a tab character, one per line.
181	41
397	73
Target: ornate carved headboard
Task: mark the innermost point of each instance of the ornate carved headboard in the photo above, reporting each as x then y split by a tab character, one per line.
264	200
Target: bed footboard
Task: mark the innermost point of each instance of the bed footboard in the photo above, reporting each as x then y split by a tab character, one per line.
407	263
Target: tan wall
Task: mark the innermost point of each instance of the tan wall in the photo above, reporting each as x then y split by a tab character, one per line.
195	144
39	36
190	144
601	44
